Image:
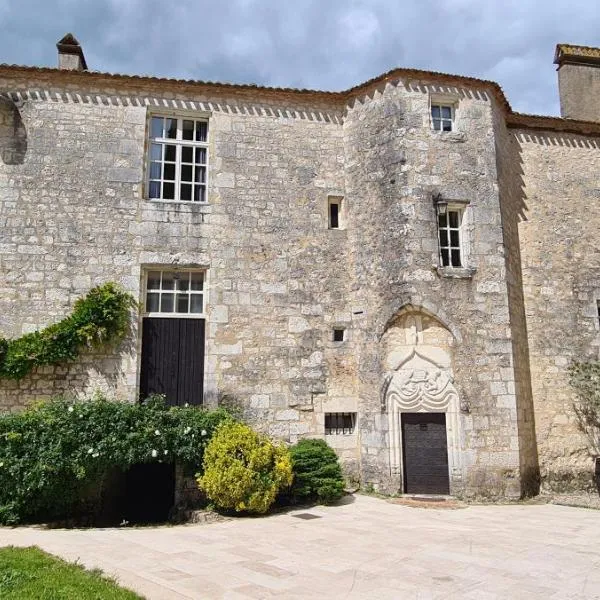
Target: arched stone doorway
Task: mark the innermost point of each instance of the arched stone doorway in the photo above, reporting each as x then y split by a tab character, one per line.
422	404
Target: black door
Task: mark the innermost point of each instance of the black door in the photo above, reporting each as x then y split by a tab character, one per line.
425	451
173	359
149	493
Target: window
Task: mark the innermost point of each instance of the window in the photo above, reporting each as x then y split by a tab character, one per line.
175	292
340	423
442	117
177	160
449	229
598	310
335	212
339	334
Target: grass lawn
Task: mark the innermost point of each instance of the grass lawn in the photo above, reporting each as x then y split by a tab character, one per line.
30	574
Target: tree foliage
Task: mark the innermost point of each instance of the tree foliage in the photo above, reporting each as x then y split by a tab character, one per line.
585	379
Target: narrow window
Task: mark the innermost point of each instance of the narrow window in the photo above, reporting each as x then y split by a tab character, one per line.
442	117
449	230
339	334
175	292
598	310
335	212
340	423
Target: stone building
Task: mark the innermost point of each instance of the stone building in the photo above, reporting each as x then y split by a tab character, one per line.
406	268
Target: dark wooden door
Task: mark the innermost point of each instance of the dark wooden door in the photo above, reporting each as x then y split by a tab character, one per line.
173	359
425	451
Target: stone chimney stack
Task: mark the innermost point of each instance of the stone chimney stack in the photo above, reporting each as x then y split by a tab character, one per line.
70	54
578	82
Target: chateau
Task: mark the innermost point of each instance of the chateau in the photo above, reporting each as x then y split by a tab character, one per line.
406	268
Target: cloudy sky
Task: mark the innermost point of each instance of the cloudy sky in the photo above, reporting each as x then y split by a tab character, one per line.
324	44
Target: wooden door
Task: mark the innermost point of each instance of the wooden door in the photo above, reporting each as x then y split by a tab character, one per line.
425	453
173	359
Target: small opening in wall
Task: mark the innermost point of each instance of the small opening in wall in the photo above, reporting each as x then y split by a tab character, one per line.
335	212
340	423
339	334
598	310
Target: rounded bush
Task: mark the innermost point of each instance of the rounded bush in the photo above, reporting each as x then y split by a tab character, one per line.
317	472
243	470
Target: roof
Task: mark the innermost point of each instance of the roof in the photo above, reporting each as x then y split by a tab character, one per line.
568	53
513	119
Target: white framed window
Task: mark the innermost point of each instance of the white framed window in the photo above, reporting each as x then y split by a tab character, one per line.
450	233
340	423
177	159
175	292
442	117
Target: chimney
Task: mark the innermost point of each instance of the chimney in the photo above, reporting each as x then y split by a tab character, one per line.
578	81
70	54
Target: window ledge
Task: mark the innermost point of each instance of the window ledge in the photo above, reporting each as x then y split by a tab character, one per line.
456	272
453	137
184	205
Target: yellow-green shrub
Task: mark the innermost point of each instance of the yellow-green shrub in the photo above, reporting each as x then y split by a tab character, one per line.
244	470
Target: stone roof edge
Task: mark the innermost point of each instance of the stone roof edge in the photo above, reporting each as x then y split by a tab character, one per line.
340	96
516	120
513	119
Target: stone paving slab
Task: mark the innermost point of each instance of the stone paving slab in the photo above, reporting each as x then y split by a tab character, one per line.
368	548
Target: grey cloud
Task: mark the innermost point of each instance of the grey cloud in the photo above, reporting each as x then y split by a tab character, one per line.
327	44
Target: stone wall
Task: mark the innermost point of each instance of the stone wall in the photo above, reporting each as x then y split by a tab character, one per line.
560	253
512	204
395	164
73	215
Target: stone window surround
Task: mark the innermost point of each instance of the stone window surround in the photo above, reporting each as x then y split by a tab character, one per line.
466	271
450	100
175	113
341	215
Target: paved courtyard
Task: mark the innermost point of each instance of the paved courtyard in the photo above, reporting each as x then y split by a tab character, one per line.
368	548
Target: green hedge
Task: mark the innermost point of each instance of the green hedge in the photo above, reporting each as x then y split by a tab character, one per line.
102	316
51	453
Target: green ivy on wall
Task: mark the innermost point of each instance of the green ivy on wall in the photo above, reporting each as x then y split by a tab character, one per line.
100	317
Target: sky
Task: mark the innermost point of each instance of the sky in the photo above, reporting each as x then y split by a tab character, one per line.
319	44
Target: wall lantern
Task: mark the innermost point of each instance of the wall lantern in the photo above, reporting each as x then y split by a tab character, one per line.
440	204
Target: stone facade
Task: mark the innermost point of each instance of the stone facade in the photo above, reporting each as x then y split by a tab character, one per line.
487	344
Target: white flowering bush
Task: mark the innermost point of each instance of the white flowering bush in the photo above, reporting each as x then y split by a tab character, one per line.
51	453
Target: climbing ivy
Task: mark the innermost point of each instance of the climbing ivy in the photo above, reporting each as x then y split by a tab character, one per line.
100	317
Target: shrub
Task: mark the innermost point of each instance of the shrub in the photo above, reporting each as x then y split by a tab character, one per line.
317	472
99	317
584	377
243	470
50	454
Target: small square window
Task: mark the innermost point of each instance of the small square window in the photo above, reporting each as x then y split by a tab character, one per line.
339	334
442	117
340	423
